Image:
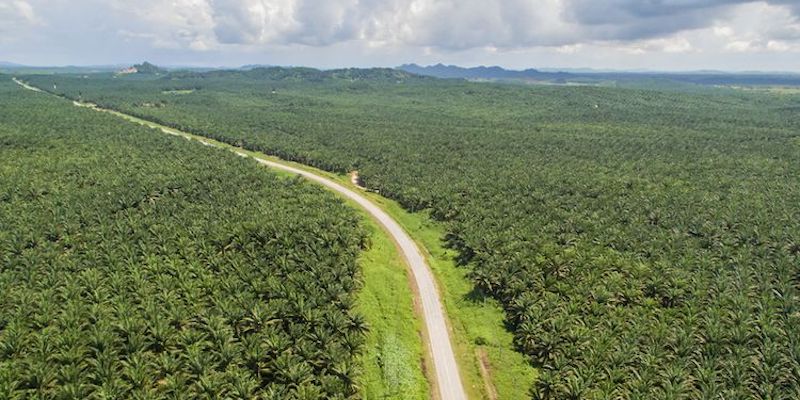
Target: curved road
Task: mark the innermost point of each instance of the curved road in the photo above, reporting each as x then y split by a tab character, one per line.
448	379
447	376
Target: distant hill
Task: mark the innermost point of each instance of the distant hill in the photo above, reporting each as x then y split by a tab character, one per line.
248	67
370	73
311	74
303	74
144	68
147	68
591	77
16	68
453	71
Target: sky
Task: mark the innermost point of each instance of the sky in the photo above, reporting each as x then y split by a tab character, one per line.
666	35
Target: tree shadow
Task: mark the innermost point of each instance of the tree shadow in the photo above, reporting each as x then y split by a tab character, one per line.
477	296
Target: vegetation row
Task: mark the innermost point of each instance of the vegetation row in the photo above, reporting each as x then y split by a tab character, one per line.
136	265
644	243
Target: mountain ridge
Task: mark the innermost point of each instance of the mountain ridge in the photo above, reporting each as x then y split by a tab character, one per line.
532	75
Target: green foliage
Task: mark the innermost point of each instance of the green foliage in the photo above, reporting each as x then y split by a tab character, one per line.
136	265
644	243
303	75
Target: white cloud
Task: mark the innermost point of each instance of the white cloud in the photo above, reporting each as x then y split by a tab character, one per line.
569	49
670	45
448	28
740	46
173	24
461	24
759	27
723	31
25	11
777	45
17	16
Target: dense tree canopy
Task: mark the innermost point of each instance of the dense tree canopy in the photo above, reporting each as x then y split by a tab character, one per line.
137	265
645	243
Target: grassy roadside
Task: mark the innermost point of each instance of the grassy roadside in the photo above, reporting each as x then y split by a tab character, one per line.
491	369
394	354
481	341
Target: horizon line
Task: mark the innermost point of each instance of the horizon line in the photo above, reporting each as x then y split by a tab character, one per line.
4	64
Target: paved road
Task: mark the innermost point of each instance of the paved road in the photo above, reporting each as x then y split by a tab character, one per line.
447	375
448	379
26	86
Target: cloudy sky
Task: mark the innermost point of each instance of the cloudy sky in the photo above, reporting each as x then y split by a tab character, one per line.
615	34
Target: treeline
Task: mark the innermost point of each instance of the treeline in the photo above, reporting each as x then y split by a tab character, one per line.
644	243
136	265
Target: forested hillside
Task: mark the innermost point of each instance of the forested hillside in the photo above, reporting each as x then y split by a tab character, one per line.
137	265
644	243
605	78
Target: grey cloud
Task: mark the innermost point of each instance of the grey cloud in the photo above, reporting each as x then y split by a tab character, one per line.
785	33
463	24
793	5
634	19
448	27
309	22
16	15
453	24
235	24
623	11
325	23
